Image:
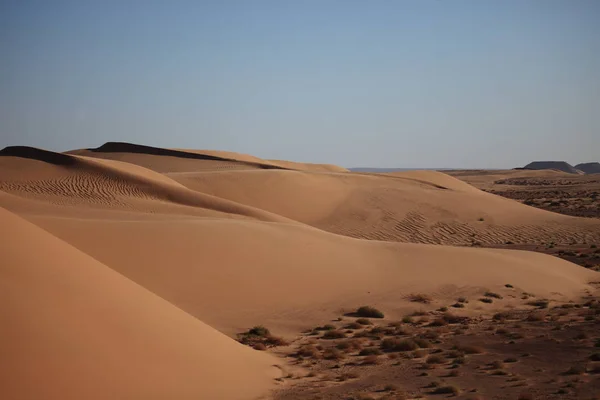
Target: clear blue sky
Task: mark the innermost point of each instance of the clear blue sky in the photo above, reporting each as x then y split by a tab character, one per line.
422	83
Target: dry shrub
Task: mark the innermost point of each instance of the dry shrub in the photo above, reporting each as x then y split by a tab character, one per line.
501	316
454	354
458	305
535	317
350	345
526	396
538	303
259	336
448	389
393	344
510	360
419	313
439	322
334	334
369	312
353	325
493	295
422	343
486	300
364	321
469	349
370	351
453	319
420	298
435	359
419	353
333	354
370	360
577	369
308	351
408	319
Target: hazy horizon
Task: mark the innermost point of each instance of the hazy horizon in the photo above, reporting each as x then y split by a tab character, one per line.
383	84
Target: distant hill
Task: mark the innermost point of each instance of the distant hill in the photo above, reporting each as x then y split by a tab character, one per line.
382	170
589	168
557	165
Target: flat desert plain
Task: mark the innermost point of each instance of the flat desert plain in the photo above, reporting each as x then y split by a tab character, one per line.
135	272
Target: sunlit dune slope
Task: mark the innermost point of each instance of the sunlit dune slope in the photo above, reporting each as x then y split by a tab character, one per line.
66	180
72	328
417	207
236	274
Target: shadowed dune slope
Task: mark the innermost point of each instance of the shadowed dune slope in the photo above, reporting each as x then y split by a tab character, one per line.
180	160
72	328
416	206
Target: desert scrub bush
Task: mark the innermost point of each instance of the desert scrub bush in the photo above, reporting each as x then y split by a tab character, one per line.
333	354
493	295
260	336
419	298
535	317
469	349
393	344
538	303
370	351
508	285
334	334
353	325
327	327
364	321
458	305
462	300
435	359
448	389
308	351
501	316
510	360
370	360
368	312
349	345
486	300
442	309
422	343
408	319
577	369
438	322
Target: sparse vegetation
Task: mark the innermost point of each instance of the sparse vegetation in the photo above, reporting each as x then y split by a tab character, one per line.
538	303
334	334
393	344
369	312
449	389
493	295
364	321
508	285
260	338
486	300
420	298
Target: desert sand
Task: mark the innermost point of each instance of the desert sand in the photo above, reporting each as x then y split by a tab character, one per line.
138	266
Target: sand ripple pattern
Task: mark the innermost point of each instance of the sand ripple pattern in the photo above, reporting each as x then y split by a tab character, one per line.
78	189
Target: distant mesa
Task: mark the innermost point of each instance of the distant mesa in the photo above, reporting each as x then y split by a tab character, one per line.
556	165
589	168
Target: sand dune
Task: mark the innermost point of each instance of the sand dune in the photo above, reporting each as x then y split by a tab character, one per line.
141	248
416	207
74	329
236	274
69	180
193	160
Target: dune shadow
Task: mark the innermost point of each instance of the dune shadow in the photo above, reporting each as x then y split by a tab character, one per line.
123	147
39	155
